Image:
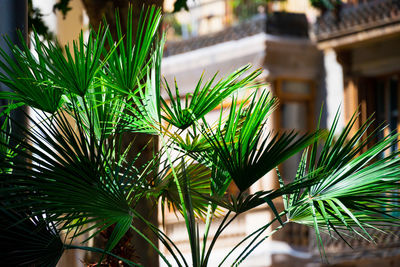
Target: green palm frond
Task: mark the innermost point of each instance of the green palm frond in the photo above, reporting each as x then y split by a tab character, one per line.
70	172
204	98
28	240
99	110
73	177
241	150
6	152
143	111
125	66
192	142
29	77
197	179
351	191
75	68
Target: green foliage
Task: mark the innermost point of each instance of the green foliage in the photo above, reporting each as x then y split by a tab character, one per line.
126	64
242	150
28	242
180	4
354	188
29	77
204	98
72	174
325	4
5	151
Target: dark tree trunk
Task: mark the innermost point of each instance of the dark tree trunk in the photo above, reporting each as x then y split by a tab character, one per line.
142	252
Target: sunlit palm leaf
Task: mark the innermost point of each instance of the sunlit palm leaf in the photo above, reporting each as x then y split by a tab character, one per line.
99	110
192	142
143	111
197	179
126	64
74	68
204	98
353	191
246	157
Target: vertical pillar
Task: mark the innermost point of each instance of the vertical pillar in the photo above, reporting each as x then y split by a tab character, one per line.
14	15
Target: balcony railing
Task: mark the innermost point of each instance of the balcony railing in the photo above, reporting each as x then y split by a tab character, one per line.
351	18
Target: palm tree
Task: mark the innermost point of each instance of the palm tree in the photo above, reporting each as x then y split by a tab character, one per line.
72	176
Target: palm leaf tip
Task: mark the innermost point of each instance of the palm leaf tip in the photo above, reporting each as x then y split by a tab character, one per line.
205	97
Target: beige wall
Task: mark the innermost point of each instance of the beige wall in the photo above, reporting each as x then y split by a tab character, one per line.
68	28
297	6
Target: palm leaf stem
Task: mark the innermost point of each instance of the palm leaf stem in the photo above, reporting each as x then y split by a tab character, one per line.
241	258
259	231
189	225
164	239
219	231
152	244
210	213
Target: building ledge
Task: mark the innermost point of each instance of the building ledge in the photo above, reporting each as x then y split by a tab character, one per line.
245	29
370	35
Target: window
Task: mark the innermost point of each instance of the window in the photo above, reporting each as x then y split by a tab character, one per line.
295	112
380	96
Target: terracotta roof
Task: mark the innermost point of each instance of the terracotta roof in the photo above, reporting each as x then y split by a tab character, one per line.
242	30
353	18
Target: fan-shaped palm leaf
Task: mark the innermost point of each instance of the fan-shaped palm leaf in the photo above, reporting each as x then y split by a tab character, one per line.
352	190
195	176
245	156
143	108
28	242
74	69
125	66
68	175
204	98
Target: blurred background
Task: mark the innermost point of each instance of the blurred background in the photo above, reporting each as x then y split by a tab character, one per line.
340	54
